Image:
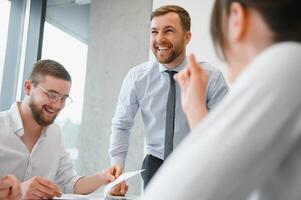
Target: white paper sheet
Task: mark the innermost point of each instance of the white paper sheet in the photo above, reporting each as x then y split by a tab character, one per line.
122	177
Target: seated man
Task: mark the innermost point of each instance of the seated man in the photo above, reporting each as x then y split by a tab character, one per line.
32	146
10	188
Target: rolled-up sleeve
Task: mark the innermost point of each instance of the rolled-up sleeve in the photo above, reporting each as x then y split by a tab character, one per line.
217	89
66	176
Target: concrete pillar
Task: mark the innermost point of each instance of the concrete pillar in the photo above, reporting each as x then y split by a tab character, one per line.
118	40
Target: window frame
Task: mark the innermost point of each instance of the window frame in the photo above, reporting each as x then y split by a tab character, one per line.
23	48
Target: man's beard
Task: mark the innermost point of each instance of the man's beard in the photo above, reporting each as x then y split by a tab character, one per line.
171	57
38	115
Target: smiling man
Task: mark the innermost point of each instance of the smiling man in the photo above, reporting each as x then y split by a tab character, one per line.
151	87
31	145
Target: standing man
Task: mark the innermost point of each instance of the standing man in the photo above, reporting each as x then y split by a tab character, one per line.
151	87
32	147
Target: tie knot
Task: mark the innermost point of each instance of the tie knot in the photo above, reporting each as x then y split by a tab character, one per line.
171	73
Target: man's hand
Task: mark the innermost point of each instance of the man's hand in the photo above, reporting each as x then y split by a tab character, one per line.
110	174
10	188
39	188
115	171
193	82
120	189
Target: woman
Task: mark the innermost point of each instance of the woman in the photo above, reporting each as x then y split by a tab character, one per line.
249	147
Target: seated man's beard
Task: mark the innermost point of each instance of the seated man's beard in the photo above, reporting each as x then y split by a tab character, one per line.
38	115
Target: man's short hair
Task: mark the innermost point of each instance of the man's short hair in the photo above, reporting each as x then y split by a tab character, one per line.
52	68
183	14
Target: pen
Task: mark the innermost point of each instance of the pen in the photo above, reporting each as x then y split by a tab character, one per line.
10	188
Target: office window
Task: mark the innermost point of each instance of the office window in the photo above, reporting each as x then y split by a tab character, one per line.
65	40
4	21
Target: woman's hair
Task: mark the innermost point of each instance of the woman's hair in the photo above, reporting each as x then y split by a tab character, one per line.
281	16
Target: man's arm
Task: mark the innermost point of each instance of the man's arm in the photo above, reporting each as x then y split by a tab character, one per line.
69	182
66	176
88	184
217	88
39	188
123	120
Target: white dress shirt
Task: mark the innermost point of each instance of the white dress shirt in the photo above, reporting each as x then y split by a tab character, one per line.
146	86
251	142
47	159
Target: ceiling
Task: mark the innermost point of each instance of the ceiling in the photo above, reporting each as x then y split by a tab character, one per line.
70	16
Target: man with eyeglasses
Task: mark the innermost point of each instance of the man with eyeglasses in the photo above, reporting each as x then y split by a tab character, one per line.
31	145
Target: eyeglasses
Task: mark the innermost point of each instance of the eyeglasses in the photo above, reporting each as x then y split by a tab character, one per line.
54	97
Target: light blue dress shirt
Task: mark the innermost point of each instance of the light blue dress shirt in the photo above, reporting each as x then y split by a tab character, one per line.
146	86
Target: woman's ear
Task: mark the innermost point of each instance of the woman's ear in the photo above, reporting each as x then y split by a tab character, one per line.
238	22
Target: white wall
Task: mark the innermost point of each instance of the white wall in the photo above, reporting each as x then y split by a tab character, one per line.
201	42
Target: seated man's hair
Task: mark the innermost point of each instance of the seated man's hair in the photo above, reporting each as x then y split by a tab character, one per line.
52	68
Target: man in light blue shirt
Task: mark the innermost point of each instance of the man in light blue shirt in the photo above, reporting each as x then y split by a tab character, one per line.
148	87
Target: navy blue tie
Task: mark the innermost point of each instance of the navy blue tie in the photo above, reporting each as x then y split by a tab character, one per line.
170	115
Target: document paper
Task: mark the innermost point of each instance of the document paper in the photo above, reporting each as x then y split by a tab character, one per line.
121	178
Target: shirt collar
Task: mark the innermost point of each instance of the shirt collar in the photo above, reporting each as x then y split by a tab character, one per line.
17	124
162	68
16	120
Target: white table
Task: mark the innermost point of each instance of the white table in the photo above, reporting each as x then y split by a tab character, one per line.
96	196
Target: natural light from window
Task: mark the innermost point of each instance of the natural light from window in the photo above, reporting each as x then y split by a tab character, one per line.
4	21
72	54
